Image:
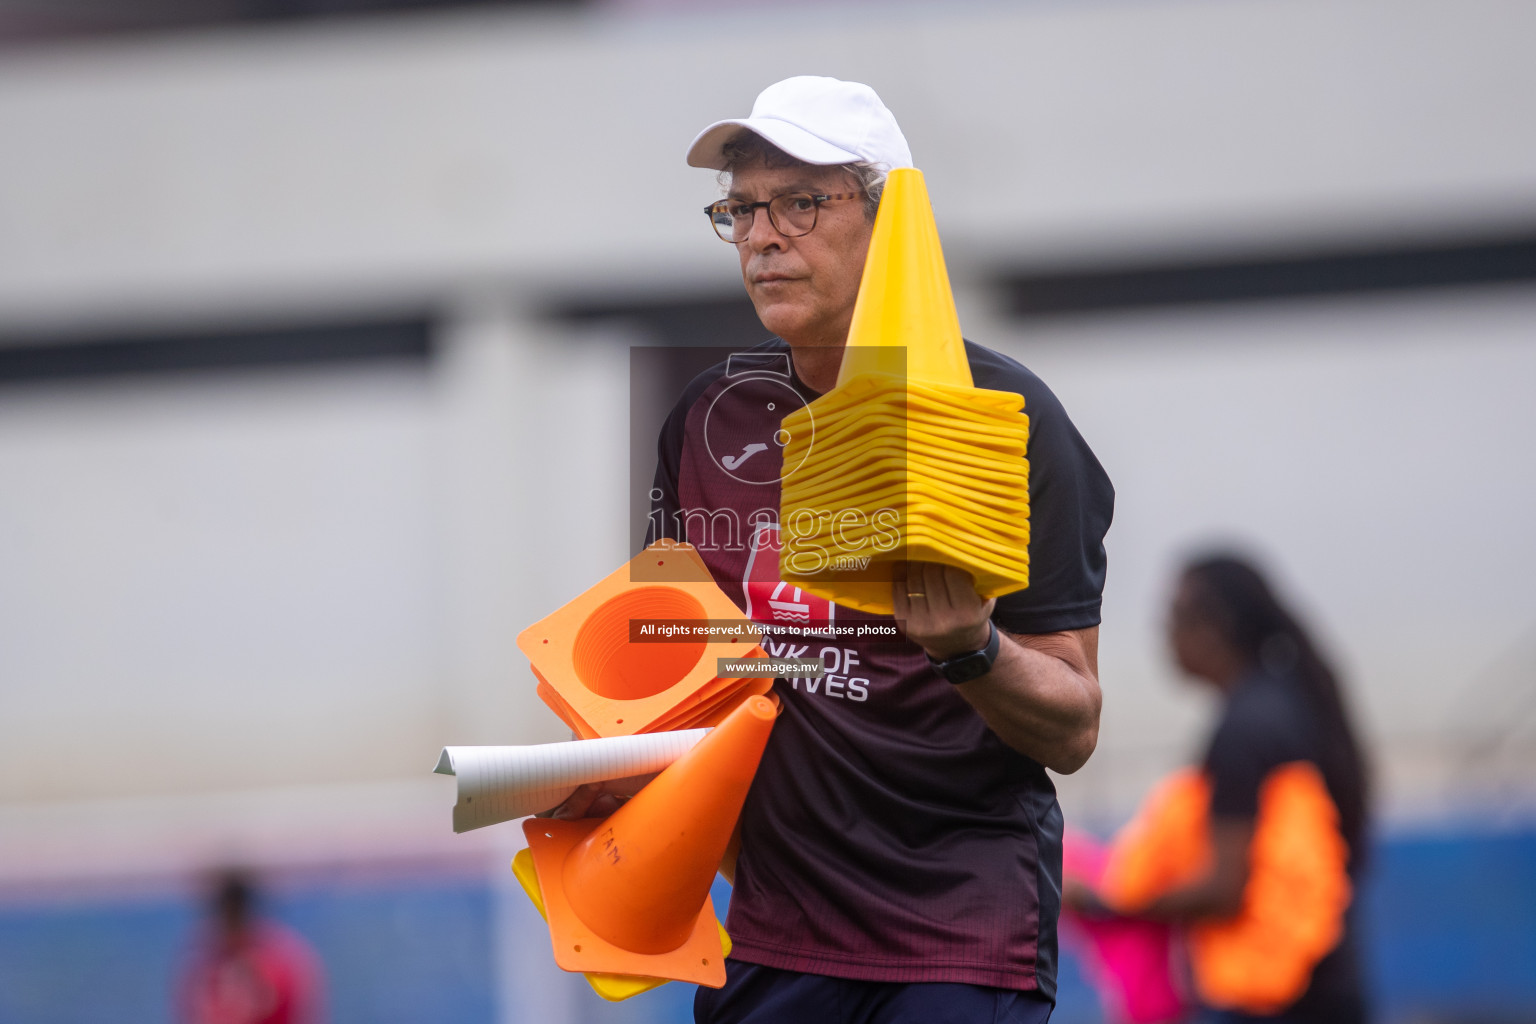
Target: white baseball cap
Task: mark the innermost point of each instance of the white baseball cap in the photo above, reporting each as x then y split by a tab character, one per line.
817	120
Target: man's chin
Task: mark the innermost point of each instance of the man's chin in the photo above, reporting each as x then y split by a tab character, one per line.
781	321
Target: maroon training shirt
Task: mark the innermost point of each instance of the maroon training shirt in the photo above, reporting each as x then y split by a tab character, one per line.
889	835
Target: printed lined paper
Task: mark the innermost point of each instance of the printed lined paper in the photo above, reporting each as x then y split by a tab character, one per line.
498	784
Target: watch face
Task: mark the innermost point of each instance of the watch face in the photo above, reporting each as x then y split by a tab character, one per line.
968	667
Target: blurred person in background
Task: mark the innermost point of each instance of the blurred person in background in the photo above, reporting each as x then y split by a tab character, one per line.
1256	854
245	969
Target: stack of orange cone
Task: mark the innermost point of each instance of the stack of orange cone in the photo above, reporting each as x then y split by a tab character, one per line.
905	460
604	680
627	897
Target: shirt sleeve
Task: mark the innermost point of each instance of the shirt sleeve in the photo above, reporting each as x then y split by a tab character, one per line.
663	521
1236	765
1258	733
1071	504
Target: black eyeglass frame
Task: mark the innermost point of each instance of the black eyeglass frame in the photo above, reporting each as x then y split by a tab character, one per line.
767	204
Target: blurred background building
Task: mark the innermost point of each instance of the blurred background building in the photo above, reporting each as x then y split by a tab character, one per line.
315	320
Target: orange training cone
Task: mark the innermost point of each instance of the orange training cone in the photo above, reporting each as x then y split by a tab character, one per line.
630	894
602	681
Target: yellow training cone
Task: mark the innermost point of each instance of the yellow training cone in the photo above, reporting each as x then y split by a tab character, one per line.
905	459
905	302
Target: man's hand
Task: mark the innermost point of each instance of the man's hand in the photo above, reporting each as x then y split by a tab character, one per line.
943	613
598	799
1042	696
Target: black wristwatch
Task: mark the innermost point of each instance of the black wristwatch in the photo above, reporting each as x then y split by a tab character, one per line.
962	668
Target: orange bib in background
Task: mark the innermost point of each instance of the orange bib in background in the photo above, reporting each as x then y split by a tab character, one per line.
1261	960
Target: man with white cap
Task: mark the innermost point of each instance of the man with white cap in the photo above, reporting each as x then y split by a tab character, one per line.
900	849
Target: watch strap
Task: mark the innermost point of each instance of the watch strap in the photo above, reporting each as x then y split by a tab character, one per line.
962	668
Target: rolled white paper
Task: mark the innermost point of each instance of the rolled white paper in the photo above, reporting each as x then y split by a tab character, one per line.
498	784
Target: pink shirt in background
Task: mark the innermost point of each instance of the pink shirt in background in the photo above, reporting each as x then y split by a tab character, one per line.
269	975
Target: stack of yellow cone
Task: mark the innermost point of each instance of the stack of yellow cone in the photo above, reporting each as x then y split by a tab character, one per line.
905	459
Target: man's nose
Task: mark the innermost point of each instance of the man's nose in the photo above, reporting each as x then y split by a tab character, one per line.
763	235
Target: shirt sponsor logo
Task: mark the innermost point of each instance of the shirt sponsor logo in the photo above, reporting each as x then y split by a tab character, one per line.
773	602
770	600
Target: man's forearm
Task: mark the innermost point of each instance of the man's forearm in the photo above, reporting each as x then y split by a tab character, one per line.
1042	697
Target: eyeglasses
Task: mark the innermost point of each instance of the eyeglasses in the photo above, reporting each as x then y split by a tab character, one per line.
791	215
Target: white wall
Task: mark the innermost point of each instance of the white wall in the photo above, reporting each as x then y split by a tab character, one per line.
409	156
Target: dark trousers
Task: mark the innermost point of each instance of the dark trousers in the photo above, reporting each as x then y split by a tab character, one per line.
754	994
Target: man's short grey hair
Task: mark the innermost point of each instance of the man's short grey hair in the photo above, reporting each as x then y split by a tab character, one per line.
747	148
